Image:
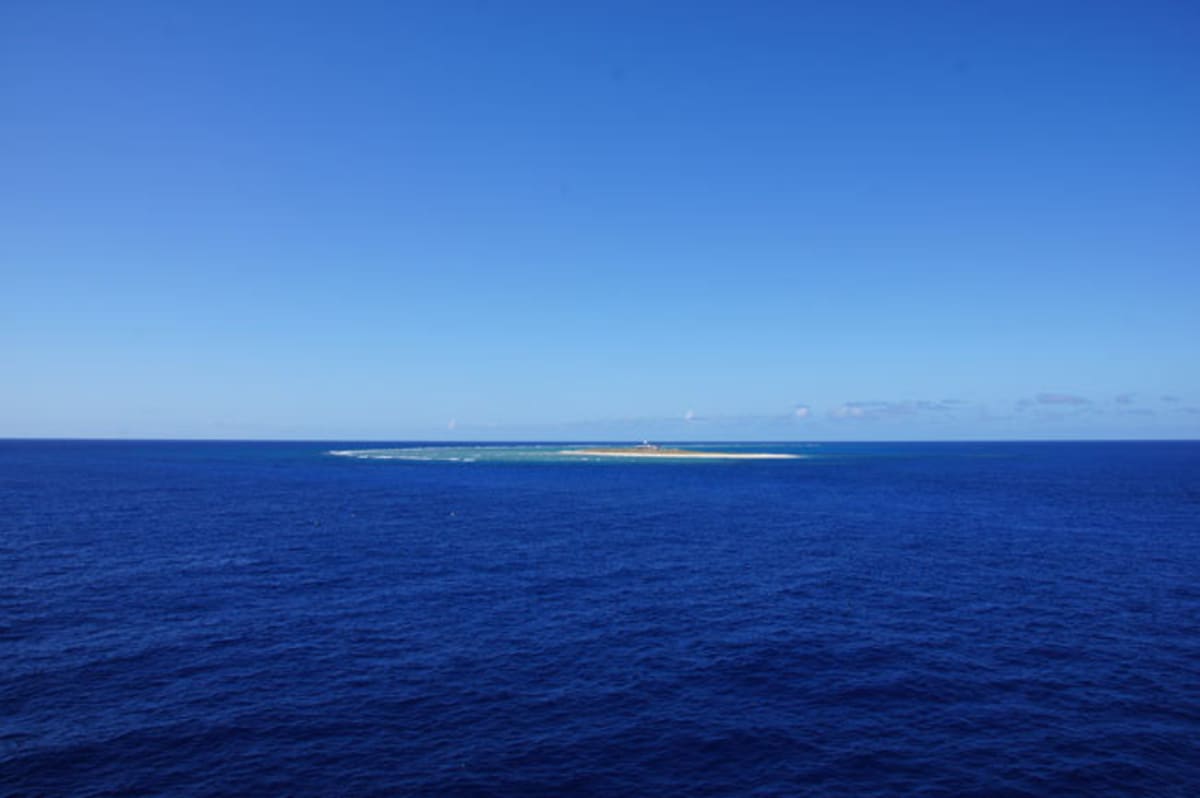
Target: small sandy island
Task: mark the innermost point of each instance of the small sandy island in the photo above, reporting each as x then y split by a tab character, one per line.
646	450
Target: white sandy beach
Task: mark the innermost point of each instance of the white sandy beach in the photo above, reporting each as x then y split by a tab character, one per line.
680	455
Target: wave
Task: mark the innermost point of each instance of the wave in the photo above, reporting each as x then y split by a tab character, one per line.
446	454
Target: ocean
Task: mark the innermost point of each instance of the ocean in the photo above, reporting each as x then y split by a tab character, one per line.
224	618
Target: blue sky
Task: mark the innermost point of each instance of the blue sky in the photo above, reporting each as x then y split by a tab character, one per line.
616	220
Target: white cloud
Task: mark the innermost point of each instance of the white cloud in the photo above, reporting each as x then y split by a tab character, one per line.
923	408
1062	399
848	410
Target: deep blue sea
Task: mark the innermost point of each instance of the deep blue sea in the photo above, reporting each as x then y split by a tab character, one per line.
196	619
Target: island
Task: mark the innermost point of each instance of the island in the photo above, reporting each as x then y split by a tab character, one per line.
646	449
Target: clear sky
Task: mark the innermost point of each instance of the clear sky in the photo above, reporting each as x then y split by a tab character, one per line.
608	220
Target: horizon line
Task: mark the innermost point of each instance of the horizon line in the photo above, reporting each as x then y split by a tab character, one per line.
557	441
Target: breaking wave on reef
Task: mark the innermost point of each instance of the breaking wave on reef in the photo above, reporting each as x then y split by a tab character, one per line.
555	453
454	454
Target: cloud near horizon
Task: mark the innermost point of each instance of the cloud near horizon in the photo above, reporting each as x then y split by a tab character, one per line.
797	413
1062	399
890	415
895	409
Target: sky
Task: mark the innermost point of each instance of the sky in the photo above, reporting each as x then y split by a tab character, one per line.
600	221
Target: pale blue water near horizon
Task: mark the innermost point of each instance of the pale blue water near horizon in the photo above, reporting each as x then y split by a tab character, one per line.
222	618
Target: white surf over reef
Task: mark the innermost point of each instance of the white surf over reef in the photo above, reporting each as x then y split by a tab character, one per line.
548	453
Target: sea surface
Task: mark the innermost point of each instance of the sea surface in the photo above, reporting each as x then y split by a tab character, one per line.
196	619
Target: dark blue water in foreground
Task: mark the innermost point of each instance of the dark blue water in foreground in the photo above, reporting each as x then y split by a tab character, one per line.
255	618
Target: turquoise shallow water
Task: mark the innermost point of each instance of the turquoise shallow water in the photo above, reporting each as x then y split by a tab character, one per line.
872	620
